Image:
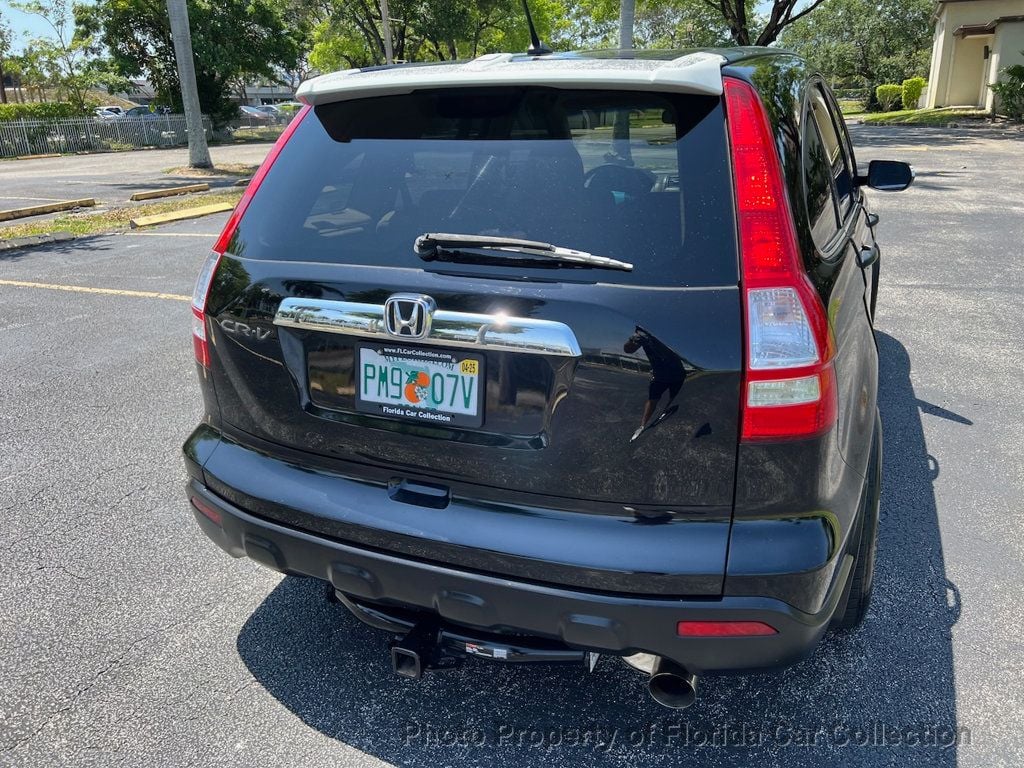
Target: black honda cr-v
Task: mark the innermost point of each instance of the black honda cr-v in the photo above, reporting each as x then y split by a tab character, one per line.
537	358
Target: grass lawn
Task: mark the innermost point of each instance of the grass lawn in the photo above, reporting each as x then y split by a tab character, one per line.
114	220
924	116
851	106
224	169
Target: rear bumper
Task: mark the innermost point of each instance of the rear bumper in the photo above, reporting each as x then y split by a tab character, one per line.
615	624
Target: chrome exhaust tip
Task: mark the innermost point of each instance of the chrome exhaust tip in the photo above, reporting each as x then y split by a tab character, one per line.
671	685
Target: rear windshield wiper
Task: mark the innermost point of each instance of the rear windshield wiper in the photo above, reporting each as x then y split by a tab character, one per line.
445	246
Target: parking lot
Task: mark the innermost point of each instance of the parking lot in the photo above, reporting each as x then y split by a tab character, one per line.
127	638
109	178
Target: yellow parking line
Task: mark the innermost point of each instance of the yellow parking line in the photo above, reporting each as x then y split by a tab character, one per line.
105	291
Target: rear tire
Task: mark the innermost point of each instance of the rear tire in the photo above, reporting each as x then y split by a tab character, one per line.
858	598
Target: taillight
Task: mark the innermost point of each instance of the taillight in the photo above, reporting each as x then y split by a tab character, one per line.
199	296
200	343
789	388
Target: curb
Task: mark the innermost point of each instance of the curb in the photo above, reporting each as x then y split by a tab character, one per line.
188	213
29	242
37	157
38	210
170	192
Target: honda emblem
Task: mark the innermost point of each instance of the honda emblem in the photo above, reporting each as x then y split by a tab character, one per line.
408	315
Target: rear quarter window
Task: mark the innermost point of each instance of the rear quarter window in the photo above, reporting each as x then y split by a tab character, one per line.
640	177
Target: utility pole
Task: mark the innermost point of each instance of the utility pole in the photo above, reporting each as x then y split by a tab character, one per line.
385	17
627	13
198	152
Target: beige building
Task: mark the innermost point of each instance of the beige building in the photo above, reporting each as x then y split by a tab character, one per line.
974	40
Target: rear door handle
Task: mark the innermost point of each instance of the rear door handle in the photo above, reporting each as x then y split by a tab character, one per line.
868	255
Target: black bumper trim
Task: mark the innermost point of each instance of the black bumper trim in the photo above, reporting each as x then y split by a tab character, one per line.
616	624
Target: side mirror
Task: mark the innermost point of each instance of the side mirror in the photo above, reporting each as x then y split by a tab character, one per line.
887	175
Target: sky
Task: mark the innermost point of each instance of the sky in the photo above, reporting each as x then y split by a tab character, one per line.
22	23
25	25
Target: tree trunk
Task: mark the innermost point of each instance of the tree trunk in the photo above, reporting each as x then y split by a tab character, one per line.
3	90
385	17
198	152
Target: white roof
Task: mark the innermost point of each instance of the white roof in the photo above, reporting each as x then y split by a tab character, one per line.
699	72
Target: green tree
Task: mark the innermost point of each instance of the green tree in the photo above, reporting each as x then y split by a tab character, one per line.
750	25
233	40
6	37
866	43
348	33
66	59
657	24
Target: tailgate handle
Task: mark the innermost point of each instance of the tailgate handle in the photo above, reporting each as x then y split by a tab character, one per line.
420	494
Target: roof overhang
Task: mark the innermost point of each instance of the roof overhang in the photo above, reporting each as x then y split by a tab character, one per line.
693	73
973	30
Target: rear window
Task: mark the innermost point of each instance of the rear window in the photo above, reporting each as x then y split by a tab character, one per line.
634	176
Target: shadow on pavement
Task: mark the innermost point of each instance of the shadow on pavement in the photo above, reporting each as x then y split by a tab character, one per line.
888	135
883	695
95	242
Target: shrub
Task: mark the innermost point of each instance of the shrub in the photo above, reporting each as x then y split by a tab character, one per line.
888	95
912	89
1010	91
48	110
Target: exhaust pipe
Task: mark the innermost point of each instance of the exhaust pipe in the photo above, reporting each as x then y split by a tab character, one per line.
671	685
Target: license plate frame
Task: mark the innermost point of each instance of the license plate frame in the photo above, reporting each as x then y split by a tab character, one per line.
432	361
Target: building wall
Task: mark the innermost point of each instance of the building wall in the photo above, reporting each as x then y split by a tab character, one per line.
969	70
1007	50
952	15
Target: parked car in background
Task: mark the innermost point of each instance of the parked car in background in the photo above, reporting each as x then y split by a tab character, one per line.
104	113
113	109
540	358
256	115
271	109
289	108
143	112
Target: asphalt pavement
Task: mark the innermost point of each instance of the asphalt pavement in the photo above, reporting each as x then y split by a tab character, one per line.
126	638
111	178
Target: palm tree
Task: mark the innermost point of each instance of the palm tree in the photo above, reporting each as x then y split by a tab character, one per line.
627	12
198	152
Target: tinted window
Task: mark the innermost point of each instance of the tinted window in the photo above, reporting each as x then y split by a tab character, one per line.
638	177
838	159
820	196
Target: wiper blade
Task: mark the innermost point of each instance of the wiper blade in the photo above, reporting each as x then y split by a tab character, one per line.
446	246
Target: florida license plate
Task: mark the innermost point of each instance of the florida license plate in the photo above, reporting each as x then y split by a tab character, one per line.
432	386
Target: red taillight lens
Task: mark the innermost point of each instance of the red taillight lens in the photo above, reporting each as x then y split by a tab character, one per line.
200	343
206	510
724	629
789	387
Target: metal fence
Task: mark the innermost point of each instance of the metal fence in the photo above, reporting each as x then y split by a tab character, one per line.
87	134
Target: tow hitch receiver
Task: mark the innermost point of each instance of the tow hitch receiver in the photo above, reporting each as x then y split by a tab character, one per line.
417	651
